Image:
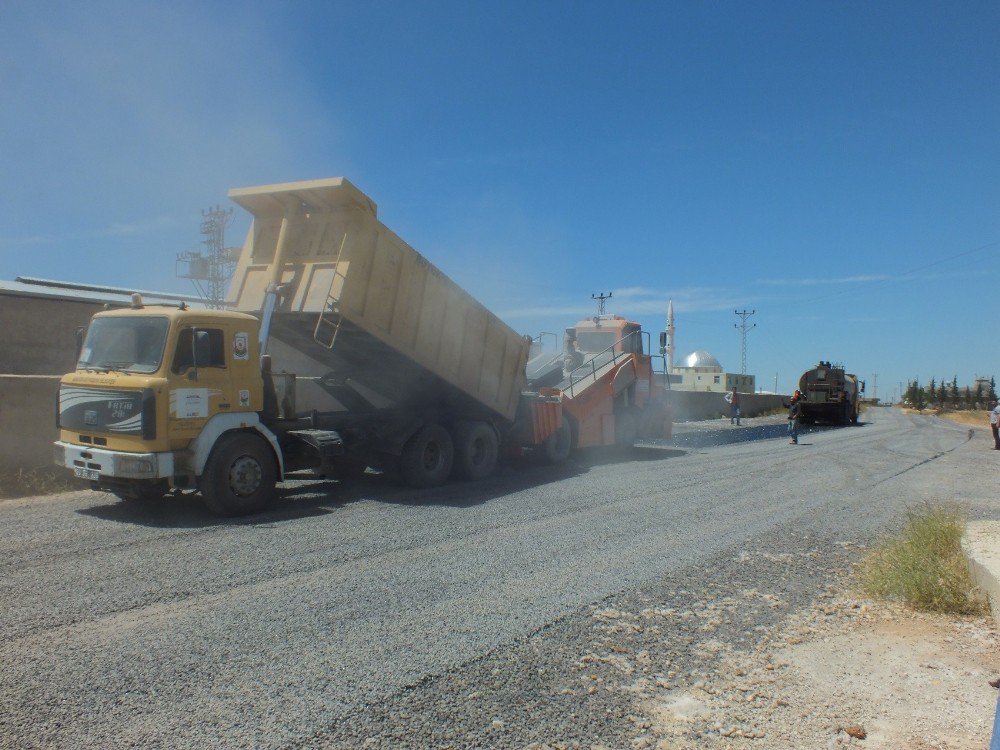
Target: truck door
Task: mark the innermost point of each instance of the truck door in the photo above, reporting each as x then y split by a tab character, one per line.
201	379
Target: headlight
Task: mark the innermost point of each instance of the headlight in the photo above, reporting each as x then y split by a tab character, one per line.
59	455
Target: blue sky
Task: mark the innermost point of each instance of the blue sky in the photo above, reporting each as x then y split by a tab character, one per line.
834	166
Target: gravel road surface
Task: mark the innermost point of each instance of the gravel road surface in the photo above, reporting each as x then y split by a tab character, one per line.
377	616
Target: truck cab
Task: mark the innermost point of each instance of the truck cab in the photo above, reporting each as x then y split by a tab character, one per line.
606	332
153	390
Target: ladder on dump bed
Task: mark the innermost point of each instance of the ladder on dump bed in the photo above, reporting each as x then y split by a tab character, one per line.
330	318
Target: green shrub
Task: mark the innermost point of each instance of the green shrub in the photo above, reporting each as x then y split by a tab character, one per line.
923	566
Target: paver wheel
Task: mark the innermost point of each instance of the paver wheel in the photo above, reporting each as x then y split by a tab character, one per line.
626	427
427	457
476	450
558	446
240	475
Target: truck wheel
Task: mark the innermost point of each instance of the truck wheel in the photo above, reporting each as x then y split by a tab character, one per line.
240	475
476	450
558	445
427	457
854	417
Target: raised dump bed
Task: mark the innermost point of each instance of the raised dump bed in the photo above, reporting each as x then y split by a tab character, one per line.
369	321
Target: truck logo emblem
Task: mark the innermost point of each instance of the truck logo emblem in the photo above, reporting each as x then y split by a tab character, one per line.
241	348
90	417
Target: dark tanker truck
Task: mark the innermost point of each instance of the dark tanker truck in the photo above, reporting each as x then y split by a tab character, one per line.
830	394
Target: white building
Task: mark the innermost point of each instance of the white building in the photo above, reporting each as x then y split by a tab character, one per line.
701	371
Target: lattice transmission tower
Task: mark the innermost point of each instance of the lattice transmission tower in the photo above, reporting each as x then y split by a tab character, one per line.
601	298
211	270
744	329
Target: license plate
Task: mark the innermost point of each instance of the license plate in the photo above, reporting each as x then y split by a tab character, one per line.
92	474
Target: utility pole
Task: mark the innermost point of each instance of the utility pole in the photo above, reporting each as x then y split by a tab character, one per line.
875	386
775	382
601	299
744	329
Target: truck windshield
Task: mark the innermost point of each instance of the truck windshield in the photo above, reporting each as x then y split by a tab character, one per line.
130	344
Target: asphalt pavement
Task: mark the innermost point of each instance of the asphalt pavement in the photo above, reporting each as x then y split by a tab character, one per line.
157	625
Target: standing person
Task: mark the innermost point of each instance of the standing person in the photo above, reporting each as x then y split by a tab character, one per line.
995	423
734	408
794	414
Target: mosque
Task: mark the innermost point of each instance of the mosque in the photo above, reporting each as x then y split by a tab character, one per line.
701	371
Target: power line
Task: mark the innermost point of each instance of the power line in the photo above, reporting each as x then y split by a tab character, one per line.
900	276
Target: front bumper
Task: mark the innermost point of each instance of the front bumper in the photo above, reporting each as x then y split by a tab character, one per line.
91	463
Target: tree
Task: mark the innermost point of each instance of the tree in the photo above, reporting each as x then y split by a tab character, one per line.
942	395
932	391
916	395
954	391
993	389
968	398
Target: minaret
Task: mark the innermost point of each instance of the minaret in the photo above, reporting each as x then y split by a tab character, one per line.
670	336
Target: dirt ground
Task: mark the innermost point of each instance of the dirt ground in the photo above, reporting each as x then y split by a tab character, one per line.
897	678
973	417
979	419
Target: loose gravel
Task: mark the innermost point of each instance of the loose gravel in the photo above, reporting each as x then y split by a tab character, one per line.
579	682
453	616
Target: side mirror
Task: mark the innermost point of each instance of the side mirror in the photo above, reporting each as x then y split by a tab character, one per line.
192	373
81	332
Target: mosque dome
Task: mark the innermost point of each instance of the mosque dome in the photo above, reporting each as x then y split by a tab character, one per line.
702	359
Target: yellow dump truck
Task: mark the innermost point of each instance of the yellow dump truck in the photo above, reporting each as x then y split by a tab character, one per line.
342	348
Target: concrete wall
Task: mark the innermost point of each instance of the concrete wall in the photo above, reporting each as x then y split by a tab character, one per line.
27	420
691	405
37	345
38	335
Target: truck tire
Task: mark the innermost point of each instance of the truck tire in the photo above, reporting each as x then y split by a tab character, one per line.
476	450
854	416
240	475
559	445
427	457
